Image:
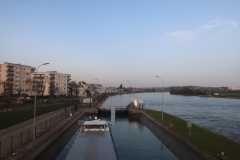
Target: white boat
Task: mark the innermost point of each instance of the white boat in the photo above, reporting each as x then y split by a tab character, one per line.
95	125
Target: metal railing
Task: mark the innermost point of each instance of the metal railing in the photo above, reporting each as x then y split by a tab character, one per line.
11	143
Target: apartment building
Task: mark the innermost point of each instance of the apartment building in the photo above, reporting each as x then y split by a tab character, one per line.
15	79
51	83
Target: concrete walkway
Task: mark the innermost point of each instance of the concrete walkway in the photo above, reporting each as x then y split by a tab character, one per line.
34	148
7	132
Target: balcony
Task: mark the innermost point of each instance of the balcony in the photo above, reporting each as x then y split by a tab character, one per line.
10	74
10	79
51	88
10	70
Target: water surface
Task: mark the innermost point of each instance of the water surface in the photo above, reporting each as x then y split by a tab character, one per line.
221	115
133	140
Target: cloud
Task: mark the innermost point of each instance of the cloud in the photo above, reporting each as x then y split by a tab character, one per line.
219	23
182	35
210	25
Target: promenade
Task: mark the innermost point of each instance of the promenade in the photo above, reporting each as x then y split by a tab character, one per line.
27	124
34	148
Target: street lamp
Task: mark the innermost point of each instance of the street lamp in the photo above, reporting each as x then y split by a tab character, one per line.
162	94
132	88
92	92
59	82
130	92
35	100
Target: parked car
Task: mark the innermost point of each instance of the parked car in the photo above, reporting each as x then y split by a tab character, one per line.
28	100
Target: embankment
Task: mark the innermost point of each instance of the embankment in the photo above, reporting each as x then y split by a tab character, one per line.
205	143
181	148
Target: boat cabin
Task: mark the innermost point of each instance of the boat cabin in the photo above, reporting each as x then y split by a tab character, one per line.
95	125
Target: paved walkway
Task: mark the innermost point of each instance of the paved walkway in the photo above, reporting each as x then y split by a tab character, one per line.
34	148
7	132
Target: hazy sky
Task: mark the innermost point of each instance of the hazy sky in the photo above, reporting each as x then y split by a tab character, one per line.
185	42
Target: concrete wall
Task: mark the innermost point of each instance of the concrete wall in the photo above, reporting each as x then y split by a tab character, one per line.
180	147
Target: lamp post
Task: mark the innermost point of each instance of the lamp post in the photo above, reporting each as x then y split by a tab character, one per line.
162	94
132	100
132	88
35	102
92	92
59	87
130	92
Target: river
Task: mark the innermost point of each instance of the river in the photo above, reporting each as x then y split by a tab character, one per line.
133	140
221	115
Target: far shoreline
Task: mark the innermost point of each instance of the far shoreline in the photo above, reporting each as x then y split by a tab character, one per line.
212	96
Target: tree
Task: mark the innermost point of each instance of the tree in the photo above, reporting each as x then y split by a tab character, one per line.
121	86
56	91
40	83
41	87
76	91
7	86
71	87
29	83
19	91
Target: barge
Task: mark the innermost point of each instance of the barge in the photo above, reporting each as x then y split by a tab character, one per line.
93	142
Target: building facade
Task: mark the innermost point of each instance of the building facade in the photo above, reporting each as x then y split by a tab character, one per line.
51	83
15	79
22	80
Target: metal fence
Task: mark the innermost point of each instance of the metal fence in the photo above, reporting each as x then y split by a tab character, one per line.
12	143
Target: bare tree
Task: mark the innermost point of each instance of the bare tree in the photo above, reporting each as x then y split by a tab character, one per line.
56	90
71	86
44	81
19	91
76	91
39	84
29	83
8	87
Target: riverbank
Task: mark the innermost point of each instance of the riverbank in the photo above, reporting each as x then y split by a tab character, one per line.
220	95
204	141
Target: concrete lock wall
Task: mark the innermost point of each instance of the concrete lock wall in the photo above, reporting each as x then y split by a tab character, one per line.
180	147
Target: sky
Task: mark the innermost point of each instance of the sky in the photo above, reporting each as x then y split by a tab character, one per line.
127	42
